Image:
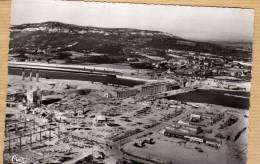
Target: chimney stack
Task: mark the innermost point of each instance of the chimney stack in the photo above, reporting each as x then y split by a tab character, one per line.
23	74
37	76
30	76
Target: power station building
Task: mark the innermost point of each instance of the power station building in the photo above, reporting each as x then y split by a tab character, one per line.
150	89
157	88
126	93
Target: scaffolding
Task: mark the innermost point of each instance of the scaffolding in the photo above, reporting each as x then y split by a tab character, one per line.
27	134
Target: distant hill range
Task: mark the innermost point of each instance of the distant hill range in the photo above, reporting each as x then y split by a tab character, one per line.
76	44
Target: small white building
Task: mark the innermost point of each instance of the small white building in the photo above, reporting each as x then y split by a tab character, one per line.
195	118
108	95
99	120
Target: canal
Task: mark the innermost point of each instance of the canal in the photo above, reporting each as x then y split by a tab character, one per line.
50	74
235	99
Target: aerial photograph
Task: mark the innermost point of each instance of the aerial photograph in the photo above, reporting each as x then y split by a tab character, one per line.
122	83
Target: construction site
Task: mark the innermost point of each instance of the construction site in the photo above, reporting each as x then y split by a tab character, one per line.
132	87
69	121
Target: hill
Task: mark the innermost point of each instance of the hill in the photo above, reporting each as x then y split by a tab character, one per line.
78	44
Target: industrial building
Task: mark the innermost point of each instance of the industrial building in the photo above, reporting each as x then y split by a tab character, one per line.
34	98
126	93
185	134
157	88
154	88
150	89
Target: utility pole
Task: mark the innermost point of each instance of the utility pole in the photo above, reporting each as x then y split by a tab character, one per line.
50	132
37	76
9	144
30	75
23	74
20	140
59	131
34	124
31	139
40	134
24	128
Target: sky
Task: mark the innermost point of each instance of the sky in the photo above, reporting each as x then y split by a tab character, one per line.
198	23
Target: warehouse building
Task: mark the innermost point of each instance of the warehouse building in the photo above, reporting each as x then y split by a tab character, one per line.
157	88
186	134
120	94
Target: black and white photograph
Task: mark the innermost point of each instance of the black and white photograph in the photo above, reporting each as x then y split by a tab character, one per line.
124	83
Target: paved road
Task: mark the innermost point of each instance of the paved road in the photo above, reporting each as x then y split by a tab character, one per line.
119	144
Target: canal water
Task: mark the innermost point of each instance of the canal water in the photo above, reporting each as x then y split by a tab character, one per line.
235	99
76	76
